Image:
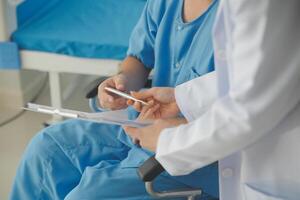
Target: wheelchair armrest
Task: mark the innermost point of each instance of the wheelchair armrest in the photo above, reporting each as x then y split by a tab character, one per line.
150	169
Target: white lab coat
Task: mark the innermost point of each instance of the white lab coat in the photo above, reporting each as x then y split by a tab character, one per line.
250	119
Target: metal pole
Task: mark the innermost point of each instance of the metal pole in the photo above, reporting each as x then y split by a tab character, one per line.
55	94
190	194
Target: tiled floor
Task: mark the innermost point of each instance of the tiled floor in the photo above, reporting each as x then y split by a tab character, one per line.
15	135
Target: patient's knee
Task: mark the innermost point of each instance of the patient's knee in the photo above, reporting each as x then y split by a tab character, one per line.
40	147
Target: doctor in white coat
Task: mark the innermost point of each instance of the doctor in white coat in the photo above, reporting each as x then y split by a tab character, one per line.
250	119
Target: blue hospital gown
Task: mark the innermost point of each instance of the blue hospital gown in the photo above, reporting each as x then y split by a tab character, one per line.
84	160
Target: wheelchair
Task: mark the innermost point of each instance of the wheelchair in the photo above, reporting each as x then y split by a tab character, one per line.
151	168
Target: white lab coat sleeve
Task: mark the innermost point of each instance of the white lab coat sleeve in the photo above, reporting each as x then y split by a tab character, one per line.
205	86
264	77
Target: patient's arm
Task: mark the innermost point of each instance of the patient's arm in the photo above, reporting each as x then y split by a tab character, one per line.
132	77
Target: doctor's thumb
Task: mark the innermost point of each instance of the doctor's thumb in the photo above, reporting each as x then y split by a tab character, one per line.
144	94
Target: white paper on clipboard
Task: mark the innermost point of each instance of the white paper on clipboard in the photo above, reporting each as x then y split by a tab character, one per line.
118	117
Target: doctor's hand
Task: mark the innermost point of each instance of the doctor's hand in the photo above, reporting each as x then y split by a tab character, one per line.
148	136
147	114
109	100
162	96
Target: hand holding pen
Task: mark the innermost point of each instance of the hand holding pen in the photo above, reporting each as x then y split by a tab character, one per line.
163	98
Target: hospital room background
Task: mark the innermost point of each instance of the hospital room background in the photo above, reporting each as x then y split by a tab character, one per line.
54	52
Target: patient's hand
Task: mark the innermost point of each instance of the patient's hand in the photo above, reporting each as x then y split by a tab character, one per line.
164	101
109	100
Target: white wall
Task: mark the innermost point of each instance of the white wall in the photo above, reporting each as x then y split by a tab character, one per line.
10	91
8	22
19	87
3	32
16	87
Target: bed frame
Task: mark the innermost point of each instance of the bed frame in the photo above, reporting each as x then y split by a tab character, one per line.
52	63
55	64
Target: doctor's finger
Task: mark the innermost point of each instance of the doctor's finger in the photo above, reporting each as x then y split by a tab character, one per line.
130	102
137	106
144	94
150	113
143	114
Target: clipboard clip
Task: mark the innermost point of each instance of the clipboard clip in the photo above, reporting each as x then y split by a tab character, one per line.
51	110
57	112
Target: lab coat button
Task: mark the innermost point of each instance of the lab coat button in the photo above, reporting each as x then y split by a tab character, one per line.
227	173
177	65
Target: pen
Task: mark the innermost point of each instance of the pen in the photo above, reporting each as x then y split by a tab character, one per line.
123	94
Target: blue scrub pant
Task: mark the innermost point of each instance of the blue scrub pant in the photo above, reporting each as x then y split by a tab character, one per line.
84	160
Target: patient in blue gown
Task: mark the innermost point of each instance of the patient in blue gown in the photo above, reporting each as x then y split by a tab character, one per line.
85	160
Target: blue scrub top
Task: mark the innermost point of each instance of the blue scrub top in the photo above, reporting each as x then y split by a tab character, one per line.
177	51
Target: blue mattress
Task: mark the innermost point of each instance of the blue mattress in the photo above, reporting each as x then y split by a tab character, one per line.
82	28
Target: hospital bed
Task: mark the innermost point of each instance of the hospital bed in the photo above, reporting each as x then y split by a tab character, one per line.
70	36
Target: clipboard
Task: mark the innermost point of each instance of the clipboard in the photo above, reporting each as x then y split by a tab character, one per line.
118	117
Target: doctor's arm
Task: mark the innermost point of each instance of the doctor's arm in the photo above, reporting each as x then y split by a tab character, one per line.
166	98
264	88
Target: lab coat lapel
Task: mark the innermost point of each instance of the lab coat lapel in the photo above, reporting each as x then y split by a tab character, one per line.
249	174
219	42
229	167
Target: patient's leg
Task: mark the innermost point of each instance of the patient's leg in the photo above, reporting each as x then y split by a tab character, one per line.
56	158
118	180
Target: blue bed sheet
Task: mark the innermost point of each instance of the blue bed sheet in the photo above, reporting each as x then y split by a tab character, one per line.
82	28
